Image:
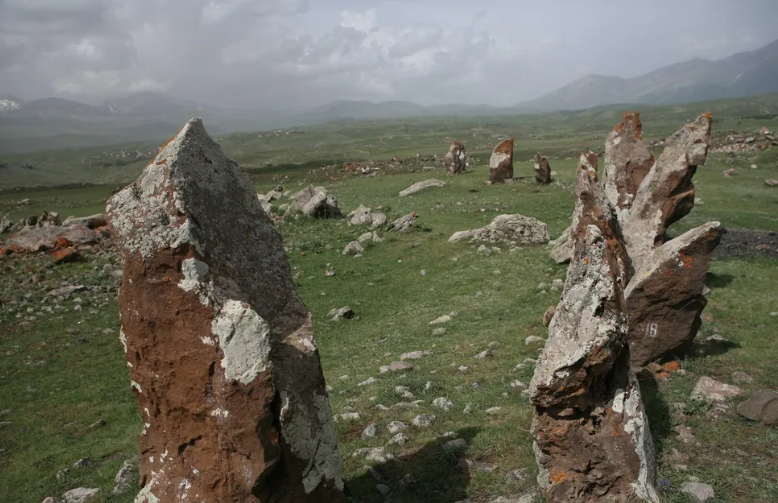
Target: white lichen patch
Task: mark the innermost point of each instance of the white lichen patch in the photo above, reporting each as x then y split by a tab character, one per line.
636	424
220	413
136	386
123	339
195	272
244	338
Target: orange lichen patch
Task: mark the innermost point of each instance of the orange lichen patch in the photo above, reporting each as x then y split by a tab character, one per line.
62	242
505	147
5	252
16	248
686	260
63	255
163	161
170	140
586	260
672	366
557	476
633	119
662	375
708	115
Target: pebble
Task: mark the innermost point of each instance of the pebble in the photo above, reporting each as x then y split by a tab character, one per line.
346	416
518	384
533	339
368	381
518	475
82	463
415	355
80	495
404	392
438	331
384	490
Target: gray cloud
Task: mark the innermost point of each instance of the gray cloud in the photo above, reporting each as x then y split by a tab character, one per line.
293	53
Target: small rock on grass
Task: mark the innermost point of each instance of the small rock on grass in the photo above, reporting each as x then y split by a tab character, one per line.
368	381
395	367
532	339
346	416
382	489
483	355
423	420
457	443
370	431
80	495
443	403
438	331
398	439
492	411
518	475
124	478
439	321
742	378
710	390
396	426
698	492
414	355
761	406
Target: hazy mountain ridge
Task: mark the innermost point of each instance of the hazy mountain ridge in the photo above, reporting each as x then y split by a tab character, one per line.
739	75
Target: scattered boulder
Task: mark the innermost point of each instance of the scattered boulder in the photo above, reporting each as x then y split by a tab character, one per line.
419	186
80	495
373	237
698	492
771	182
34	239
314	202
708	389
507	229
414	355
364	215
395	367
761	406
220	348
672	276
627	162
370	431
501	162
342	313
353	248
65	255
66	291
562	247
455	160
542	169
124	478
423	420
404	224
443	403
590	430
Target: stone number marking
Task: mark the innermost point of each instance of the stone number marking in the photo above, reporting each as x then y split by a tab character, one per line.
651	329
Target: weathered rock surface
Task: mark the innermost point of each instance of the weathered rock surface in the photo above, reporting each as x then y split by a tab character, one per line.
507	229
419	186
33	239
699	492
542	169
501	162
588	160
92	221
456	159
314	202
220	348
364	216
666	194
404	224
664	297
80	495
627	162
761	406
562	247
708	389
353	248
591	434
124	478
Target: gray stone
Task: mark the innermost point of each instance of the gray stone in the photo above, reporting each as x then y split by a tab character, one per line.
382	489
443	403
761	406
398	439
415	355
66	291
423	420
708	389
698	492
353	248
439	321
368	381
314	202
518	475
438	331
457	443
533	339
404	224
742	378
507	229
403	392
483	355
341	313
346	417
369	431
80	495
493	411
396	367
82	463
562	247
419	186
124	479
396	426
63	474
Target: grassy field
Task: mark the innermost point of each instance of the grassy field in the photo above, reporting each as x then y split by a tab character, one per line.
62	368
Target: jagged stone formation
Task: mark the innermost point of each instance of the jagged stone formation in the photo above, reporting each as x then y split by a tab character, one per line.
627	162
542	169
220	349
501	162
455	159
592	440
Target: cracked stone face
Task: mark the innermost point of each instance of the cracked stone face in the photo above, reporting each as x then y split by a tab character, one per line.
220	348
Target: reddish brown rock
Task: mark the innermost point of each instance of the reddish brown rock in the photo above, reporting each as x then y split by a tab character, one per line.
63	255
761	406
592	440
32	239
666	194
665	299
455	160
627	162
501	162
542	169
220	348
588	160
548	315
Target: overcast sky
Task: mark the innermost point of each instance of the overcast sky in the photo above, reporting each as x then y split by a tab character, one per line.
298	53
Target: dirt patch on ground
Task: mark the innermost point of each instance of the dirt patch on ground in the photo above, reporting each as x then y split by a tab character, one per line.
747	243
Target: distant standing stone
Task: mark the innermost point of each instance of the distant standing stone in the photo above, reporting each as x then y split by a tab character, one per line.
501	162
542	169
455	160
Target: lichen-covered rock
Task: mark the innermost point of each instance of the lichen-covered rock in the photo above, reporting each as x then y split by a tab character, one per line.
220	349
664	297
507	229
404	224
364	215
419	186
33	239
542	169
92	221
353	248
592	439
455	159
562	247
48	218
314	202
588	160
666	193
627	162
501	162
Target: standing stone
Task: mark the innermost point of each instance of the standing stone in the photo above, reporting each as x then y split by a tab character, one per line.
592	440
220	348
664	298
542	169
501	162
588	160
456	159
627	162
666	194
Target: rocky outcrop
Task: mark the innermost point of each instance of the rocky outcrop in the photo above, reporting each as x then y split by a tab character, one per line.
627	162
592	439
314	202
507	229
664	298
542	169
666	194
501	162
220	349
419	186
455	160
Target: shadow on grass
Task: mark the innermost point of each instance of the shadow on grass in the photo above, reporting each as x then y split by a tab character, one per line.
657	410
713	280
438	478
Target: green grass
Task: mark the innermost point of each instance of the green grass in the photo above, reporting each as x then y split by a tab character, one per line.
495	298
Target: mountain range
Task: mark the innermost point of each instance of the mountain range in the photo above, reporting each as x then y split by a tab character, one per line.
53	123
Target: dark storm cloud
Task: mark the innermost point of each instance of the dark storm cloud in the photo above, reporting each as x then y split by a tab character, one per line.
293	53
